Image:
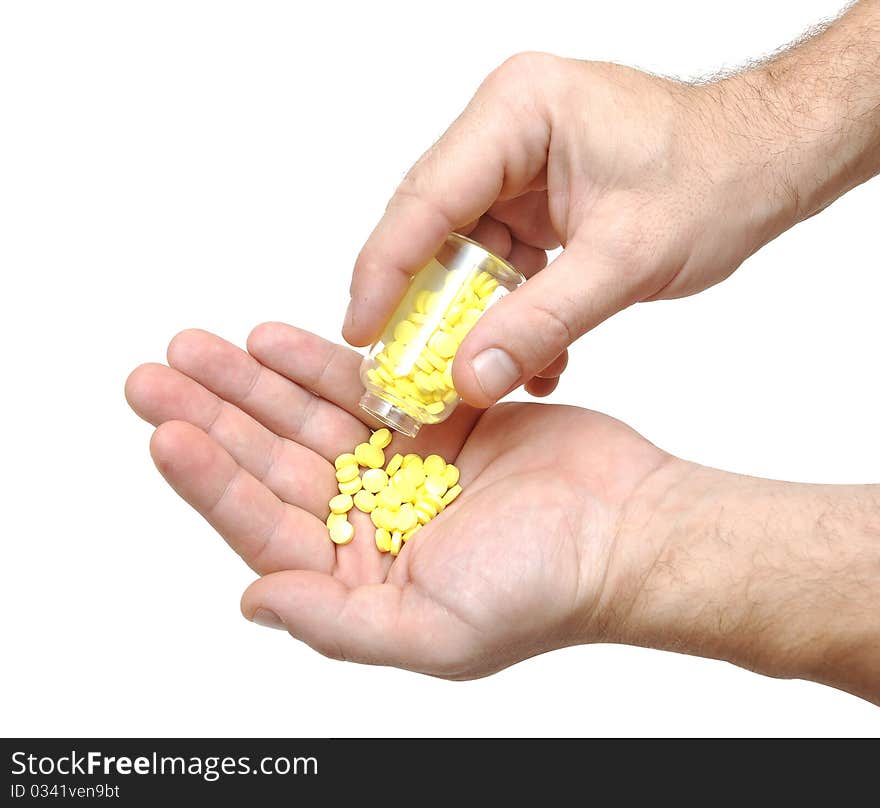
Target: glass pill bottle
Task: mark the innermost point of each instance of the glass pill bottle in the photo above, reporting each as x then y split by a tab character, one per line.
408	371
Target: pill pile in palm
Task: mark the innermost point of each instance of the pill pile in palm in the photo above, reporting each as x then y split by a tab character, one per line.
416	367
401	497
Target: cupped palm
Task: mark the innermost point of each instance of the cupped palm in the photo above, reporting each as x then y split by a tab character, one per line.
519	564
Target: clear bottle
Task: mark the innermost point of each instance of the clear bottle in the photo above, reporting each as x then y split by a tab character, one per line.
408	372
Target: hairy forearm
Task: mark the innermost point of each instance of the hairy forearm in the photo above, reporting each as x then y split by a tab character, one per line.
809	118
781	578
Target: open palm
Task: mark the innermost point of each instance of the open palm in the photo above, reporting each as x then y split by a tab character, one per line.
518	565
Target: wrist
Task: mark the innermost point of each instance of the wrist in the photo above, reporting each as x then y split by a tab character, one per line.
805	125
777	577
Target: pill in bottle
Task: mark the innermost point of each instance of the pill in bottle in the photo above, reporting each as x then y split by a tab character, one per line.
407	374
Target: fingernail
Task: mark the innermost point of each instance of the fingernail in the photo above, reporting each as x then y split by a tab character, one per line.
496	372
267	618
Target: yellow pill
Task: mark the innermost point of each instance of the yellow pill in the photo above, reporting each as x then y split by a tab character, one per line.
351	487
434	465
487	287
386	518
370	456
341	503
422	299
344	460
454	311
374	377
388	498
381	438
396	352
470	317
342	532
396	541
407	388
451	474
443	344
410	533
383	540
387	363
435	407
415	473
436	484
451	494
438	385
384	376
377	458
424	512
450	396
334	518
418	317
394	464
405	519
423	382
376	516
411	459
364	501
374	480
434	500
437	363
424	365
402	484
405	332
347	473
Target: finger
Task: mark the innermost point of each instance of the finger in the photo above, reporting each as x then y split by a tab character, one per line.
267	533
525	330
378	624
528	218
493	235
292	472
285	408
539	387
528	260
555	368
330	371
495	148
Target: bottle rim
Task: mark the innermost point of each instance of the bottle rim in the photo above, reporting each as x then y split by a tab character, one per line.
499	265
389	414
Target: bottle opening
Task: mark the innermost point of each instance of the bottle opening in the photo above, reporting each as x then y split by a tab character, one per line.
389	414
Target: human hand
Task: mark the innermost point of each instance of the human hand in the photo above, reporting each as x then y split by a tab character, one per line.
571	528
519	565
629	172
655	189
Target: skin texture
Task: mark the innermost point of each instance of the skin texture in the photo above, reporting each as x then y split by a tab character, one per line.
655	188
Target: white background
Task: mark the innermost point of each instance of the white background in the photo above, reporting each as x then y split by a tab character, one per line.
175	164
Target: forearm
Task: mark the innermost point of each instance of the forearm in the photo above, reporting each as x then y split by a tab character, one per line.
778	577
808	120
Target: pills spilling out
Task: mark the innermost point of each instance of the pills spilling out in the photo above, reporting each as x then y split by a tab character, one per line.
400	498
415	366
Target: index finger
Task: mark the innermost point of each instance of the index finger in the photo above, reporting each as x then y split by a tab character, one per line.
493	150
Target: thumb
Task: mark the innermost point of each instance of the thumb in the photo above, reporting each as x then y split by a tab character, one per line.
495	149
526	330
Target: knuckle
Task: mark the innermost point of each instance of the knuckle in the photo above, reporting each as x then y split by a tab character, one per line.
521	64
553	330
